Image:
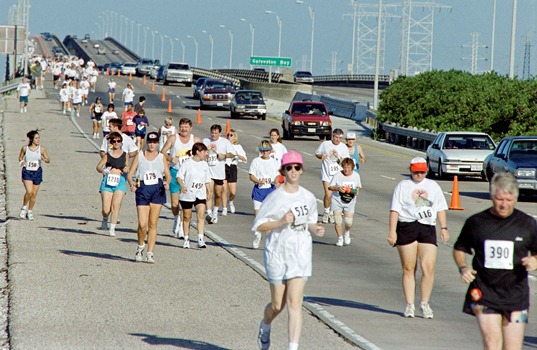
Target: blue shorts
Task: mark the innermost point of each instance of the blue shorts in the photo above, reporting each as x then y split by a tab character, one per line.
127	103
113	91
174	185
259	194
35	176
151	194
122	186
23	99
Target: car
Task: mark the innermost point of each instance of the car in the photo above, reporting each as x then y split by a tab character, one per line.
96	46
84	41
47	36
101	51
114	67
248	102
129	68
87	37
518	156
198	86
153	72
216	93
160	73
178	72
145	65
459	153
307	118
115	52
303	77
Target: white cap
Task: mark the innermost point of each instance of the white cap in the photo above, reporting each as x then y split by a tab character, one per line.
351	135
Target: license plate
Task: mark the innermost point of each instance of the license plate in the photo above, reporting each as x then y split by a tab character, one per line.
523	185
311	129
477	167
219	104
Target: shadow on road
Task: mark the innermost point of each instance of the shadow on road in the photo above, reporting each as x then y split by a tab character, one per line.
178	342
348	303
95	255
531	342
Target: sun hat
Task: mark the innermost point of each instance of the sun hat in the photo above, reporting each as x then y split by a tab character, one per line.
418	164
292	157
351	136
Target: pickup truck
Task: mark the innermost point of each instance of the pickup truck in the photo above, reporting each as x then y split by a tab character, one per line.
176	72
145	65
307	118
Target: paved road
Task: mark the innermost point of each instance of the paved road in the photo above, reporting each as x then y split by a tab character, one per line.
77	278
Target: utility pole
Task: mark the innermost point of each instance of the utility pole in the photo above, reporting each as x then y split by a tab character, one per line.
475	53
526	72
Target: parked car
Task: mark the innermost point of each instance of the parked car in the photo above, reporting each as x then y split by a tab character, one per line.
198	86
87	37
516	155
145	65
114	67
248	102
303	77
307	118
459	153
153	72
129	68
176	72
216	93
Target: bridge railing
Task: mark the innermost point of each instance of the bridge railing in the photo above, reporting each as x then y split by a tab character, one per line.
351	77
339	107
131	53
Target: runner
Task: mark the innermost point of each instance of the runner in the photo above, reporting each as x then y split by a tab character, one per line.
96	111
30	158
127	143
263	172
141	122
289	214
232	172
76	99
107	116
23	93
150	194
64	97
112	90
278	149
193	178
504	243
416	203
165	131
346	186
113	166
331	153
84	89
128	96
127	117
355	151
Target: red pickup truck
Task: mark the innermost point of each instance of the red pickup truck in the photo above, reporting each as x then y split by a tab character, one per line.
307	118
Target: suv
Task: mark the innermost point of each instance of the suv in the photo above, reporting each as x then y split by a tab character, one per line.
216	93
516	155
307	118
176	72
248	102
145	65
303	77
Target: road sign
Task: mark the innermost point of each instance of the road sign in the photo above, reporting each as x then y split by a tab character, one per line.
270	61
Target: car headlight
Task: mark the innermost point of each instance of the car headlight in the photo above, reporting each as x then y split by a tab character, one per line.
240	106
326	123
296	123
526	173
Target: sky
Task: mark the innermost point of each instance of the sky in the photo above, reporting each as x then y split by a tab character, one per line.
452	39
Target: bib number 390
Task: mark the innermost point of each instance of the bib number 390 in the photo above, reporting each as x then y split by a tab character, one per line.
499	254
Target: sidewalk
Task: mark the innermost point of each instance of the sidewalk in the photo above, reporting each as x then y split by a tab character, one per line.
73	287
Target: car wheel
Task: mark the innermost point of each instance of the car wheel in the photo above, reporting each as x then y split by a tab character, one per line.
166	83
328	137
233	115
440	172
430	171
290	134
264	116
285	135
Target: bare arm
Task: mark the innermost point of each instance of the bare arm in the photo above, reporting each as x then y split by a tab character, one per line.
467	273
44	155
444	233
392	234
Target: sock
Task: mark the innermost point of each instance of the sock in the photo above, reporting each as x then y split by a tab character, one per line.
293	346
24	207
209	212
327	210
265	327
215	210
112	227
186	238
200	237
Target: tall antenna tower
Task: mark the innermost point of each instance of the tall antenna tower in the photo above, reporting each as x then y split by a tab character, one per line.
417	36
526	73
475	53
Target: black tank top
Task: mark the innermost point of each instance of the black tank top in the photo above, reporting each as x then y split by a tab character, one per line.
116	163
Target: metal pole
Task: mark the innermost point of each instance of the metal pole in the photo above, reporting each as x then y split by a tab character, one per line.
279	36
145	40
171	44
132	34
139	25
354	65
377	59
513	34
312	16
153	47
161	48
492	39
212	46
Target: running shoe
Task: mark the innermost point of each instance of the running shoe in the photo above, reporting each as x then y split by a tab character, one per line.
257	240
175	227
209	219
231	208
201	243
30	215
426	310
25	109
214	219
263	338
409	310
104	224
77	114
347	237
180	233
339	242
139	253
186	243
224	212
325	217
331	219
112	232
149	258
23	213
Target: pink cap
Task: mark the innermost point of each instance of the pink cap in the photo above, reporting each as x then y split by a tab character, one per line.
292	157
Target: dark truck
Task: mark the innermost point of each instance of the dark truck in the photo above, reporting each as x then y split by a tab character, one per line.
307	118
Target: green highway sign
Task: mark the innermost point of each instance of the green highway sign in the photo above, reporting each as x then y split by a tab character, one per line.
271	61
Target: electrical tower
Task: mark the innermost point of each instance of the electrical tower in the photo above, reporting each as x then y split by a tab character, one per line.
475	53
417	36
526	73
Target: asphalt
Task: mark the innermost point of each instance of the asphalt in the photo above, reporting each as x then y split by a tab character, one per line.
71	286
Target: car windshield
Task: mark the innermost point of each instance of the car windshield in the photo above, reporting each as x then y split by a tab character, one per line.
309	109
178	66
249	96
303	74
468	142
220	85
523	149
130	65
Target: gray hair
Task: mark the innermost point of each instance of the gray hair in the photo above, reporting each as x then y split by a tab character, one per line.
505	182
337	131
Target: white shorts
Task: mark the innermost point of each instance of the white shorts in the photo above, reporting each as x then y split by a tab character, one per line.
257	205
339	205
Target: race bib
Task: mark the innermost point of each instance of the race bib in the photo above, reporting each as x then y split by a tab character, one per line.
130	122
197	185
97	109
300	211
213	158
112	180
182	159
348	184
425	215
150	178
499	254
32	166
333	168
267	182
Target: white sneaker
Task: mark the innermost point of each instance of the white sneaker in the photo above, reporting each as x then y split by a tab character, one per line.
339	242
30	215
257	240
23	213
347	237
224	212
22	110
263	338
201	243
231	208
112	232
180	233
104	224
25	109
186	243
175	227
214	219
409	310
139	253
149	258
331	219
77	114
63	112
426	310
325	217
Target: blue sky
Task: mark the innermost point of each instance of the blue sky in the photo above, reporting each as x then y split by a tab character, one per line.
333	29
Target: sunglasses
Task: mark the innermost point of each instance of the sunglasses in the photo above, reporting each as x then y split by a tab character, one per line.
229	135
115	141
297	167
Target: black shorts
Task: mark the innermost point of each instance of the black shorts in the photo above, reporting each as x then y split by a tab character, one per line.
231	173
188	205
98	117
218	182
409	232
36	176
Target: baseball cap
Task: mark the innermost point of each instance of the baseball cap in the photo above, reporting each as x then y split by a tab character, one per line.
418	164
152	137
292	157
351	136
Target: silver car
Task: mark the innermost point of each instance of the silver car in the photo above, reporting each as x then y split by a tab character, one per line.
459	153
248	102
128	68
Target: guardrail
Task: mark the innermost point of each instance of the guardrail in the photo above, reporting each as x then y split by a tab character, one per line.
10	86
124	48
339	107
199	72
253	75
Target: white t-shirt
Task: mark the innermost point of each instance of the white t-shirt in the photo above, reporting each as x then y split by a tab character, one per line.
64	95
128	95
106	117
84	86
165	132
24	89
264	169
329	168
77	95
195	176
112	85
217	167
128	145
353	182
278	150
239	151
418	201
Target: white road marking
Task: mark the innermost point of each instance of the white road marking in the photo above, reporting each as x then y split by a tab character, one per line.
387	177
308	154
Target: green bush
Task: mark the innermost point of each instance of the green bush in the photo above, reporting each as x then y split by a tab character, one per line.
455	100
